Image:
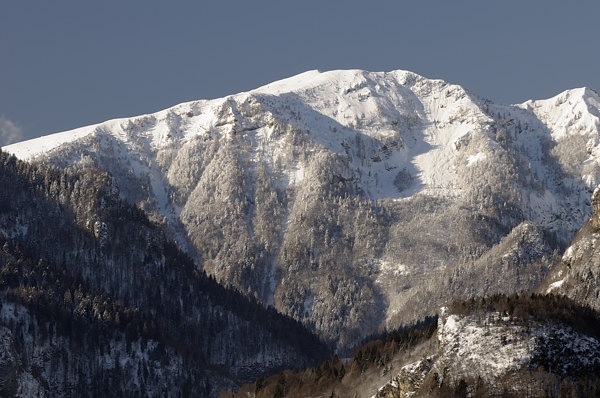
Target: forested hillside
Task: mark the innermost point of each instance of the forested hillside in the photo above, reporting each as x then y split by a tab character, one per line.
95	298
524	345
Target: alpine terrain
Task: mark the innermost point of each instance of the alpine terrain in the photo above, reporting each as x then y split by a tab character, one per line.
544	344
95	300
578	274
351	201
524	345
340	234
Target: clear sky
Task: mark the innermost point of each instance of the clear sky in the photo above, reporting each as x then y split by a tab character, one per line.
65	64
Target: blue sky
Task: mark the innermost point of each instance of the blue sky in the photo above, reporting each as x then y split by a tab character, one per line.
65	64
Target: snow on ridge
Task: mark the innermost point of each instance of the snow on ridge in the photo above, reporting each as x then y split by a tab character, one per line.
28	150
575	111
33	148
307	81
314	78
292	83
562	97
417	121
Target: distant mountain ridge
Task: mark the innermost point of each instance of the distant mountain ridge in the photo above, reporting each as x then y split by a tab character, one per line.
345	197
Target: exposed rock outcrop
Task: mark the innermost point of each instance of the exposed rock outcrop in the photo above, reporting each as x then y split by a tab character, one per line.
595	221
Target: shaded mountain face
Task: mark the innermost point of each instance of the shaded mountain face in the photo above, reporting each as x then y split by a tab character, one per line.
350	199
95	300
578	273
526	344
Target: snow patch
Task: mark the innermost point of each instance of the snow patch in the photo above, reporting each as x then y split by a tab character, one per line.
568	254
471	160
555	285
492	345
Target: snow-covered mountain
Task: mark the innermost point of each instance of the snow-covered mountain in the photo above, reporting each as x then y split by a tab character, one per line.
344	198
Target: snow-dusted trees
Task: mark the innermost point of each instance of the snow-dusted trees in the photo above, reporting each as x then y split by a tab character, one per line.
136	294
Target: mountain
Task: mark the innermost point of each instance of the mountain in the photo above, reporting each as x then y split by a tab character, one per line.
544	344
351	200
577	275
95	300
521	345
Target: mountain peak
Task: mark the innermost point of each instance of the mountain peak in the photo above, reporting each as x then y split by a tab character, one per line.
574	111
309	79
339	77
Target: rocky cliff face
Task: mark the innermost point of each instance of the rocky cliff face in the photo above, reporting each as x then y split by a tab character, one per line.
595	220
494	345
578	273
492	354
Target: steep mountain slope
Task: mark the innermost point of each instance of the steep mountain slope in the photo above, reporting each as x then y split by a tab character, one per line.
522	345
95	298
536	345
578	273
344	197
521	259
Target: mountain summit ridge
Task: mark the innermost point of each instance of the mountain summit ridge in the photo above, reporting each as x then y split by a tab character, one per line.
29	149
378	104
